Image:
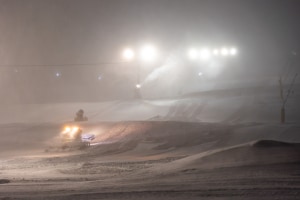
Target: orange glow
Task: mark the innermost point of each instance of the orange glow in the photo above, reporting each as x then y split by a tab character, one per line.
70	131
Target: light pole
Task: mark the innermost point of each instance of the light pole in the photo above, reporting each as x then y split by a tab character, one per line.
147	54
128	54
205	55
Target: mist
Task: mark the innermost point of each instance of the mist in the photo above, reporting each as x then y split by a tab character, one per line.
81	41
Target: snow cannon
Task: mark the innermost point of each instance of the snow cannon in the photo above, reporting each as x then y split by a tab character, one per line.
80	116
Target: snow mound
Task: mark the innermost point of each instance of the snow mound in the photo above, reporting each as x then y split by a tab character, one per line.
261	152
274	143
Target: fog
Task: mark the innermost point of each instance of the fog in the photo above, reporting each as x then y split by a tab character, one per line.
80	121
69	50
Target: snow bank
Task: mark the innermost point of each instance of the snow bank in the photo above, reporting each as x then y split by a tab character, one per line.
263	152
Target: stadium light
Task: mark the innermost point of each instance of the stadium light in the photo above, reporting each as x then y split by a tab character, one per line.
233	51
224	51
148	53
128	54
205	54
193	54
138	86
216	52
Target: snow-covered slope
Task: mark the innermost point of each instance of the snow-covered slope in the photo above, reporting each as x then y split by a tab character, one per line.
258	104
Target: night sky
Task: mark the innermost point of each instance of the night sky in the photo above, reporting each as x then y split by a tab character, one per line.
81	40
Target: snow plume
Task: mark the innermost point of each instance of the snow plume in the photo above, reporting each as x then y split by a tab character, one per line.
166	80
171	63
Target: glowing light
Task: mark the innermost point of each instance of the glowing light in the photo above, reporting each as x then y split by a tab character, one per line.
200	74
138	86
224	52
70	132
148	53
216	52
233	51
99	77
128	54
205	54
58	74
66	130
193	54
73	132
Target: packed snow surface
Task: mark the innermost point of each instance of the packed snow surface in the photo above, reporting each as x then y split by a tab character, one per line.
227	145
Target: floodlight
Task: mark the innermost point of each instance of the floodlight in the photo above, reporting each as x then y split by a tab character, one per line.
216	52
138	86
233	51
148	53
128	54
224	52
205	54
193	54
